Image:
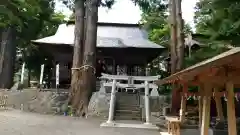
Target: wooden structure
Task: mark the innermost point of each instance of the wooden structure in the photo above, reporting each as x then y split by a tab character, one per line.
115	83
3	101
215	77
173	125
125	48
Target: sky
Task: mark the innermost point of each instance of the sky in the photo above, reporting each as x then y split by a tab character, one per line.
124	11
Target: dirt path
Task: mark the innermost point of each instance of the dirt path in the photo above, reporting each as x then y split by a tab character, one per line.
14	122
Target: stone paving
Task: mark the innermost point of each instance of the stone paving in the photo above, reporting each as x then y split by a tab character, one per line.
13	122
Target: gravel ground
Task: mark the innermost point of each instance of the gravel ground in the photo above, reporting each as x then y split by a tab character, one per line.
13	122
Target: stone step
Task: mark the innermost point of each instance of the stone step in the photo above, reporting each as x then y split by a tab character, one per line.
125	107
128	112
127	98
127	117
98	85
128	105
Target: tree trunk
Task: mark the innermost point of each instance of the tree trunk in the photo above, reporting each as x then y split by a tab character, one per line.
89	59
173	52
173	24
180	33
180	53
78	54
7	57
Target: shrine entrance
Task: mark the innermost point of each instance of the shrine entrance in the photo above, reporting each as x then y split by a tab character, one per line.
128	103
128	106
126	98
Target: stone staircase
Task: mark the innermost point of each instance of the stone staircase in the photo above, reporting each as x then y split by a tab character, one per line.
98	85
127	106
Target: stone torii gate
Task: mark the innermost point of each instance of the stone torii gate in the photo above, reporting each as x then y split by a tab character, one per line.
114	83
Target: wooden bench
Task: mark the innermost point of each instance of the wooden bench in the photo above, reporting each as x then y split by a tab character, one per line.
3	101
173	124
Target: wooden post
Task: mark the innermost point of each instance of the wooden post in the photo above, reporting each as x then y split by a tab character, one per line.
183	104
218	106
183	109
232	129
200	103
206	109
200	108
112	102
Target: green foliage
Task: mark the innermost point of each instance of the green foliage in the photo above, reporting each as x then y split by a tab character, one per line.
33	19
219	19
152	6
155	20
104	3
204	53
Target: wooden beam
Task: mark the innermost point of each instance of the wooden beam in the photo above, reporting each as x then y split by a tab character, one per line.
220	78
218	106
205	73
206	109
232	129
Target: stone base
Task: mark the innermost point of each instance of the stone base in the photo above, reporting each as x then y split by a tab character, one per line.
124	125
164	133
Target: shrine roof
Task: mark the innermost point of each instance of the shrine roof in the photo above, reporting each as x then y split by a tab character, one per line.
112	35
227	58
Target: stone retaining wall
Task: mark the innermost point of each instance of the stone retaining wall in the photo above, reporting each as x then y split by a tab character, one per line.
49	102
40	102
99	104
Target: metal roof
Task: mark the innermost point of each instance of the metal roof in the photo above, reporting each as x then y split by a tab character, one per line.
114	36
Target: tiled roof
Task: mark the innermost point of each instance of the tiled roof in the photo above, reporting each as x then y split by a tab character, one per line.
108	36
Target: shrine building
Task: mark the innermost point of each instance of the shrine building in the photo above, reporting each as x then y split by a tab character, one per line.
125	49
